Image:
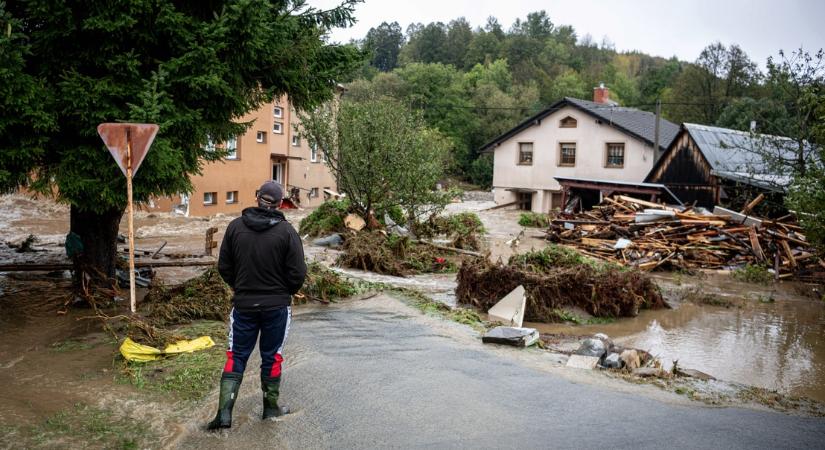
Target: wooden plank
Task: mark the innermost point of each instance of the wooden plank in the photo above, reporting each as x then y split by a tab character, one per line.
637	201
757	249
788	253
749	207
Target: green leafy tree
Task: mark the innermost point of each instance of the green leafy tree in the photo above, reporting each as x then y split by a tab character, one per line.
704	88
384	43
382	155
459	37
192	67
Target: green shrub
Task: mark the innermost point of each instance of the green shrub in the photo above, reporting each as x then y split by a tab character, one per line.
531	219
751	273
555	256
328	218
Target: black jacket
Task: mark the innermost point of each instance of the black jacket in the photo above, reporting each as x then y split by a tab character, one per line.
262	259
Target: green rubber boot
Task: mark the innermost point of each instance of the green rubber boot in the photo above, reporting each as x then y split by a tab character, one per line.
230	384
272	388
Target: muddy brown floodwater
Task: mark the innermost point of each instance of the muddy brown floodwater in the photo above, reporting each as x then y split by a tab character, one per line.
776	344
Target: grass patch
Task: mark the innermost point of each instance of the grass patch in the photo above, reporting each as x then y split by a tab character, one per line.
188	376
463	229
466	316
535	220
70	345
752	273
84	426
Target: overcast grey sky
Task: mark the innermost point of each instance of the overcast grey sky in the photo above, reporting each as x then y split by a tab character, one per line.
658	27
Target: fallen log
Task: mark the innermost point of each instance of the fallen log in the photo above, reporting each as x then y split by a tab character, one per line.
451	249
50	267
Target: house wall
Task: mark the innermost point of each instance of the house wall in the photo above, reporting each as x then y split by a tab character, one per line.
254	165
591	140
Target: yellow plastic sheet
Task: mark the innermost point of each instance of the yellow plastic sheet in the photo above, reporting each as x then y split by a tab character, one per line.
133	351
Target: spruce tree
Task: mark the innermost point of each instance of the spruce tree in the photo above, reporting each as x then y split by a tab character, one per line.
193	67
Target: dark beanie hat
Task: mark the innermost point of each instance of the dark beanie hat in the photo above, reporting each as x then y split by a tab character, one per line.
271	192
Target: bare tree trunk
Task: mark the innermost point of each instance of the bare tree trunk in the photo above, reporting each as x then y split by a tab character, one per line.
98	233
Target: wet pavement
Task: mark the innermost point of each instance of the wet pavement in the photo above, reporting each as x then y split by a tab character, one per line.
377	374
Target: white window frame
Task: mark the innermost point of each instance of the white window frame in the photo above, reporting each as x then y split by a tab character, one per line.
231	197
232	148
210	145
314	193
278	128
209	198
260	137
278	112
296	140
313	153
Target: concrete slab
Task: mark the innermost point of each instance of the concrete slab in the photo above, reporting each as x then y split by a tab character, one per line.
510	309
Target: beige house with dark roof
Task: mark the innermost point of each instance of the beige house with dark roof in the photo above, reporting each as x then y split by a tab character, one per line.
574	139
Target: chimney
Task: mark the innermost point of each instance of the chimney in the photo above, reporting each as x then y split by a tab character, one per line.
601	94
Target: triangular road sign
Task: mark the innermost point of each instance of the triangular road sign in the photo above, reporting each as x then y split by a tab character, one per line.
140	135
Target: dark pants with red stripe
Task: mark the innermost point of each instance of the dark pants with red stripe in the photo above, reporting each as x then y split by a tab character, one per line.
244	328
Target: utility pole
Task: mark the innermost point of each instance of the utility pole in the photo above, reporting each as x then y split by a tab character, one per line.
656	130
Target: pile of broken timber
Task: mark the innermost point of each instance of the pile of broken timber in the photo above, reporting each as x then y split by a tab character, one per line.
647	235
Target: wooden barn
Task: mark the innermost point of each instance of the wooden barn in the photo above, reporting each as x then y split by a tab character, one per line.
718	166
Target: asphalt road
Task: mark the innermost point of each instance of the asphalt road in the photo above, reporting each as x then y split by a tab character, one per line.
375	374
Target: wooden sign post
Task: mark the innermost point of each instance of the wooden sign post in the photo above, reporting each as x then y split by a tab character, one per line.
128	143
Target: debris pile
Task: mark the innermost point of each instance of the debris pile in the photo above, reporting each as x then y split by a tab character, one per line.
601	290
462	229
378	252
203	297
647	236
324	285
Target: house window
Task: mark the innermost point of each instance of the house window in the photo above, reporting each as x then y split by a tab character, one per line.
278	128
260	137
313	193
567	154
525	153
210	145
615	155
231	196
210	198
232	148
313	153
568	122
296	140
278	112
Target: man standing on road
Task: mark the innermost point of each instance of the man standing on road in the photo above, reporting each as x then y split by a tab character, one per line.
262	259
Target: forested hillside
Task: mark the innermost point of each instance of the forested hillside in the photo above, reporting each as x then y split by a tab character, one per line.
474	83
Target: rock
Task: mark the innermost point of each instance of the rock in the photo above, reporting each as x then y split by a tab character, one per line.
612	361
582	362
601	336
592	347
693	373
518	337
631	359
608	343
333	240
647	372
